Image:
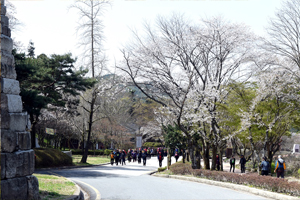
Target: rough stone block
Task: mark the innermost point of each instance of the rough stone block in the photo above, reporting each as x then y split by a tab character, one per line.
6	43
13	103
24	140
33	188
3	10
3	161
14	121
4	20
10	86
6	31
15	188
20	163
8	141
8	71
8	59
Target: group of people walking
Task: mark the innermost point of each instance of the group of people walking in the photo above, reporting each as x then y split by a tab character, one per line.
265	166
139	155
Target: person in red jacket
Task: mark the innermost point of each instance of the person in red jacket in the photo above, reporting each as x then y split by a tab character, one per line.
160	158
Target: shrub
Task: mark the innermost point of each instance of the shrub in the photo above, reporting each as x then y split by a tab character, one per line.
299	172
51	158
266	182
161	169
152	144
107	152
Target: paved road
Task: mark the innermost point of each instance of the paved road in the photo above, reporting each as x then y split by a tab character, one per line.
133	182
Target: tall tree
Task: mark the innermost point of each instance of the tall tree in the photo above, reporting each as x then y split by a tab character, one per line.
284	36
183	67
45	80
90	30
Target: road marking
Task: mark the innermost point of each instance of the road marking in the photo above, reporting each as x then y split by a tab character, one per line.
98	197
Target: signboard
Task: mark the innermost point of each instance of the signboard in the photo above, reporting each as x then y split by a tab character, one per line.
138	141
50	131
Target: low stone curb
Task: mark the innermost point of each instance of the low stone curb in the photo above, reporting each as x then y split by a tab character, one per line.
69	167
78	194
243	188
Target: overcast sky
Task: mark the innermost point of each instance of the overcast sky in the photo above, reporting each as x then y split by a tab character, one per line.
51	26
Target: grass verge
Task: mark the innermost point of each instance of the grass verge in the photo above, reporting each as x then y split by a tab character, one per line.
54	187
91	160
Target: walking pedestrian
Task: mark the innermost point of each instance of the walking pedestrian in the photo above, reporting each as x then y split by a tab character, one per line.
112	158
176	155
280	167
117	156
232	164
134	156
265	167
160	158
144	156
139	157
243	163
123	157
129	155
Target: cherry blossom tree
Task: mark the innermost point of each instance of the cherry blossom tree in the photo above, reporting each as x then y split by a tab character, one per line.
184	67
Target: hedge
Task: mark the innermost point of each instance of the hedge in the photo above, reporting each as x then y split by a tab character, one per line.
266	182
152	144
46	157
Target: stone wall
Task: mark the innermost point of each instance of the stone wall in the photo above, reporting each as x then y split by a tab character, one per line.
17	157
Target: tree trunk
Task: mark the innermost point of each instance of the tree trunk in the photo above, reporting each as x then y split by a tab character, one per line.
33	133
198	158
86	151
221	158
213	160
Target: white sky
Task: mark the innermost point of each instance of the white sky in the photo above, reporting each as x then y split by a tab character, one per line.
51	27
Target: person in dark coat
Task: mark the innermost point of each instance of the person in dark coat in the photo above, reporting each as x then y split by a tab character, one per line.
160	158
123	156
243	163
139	157
134	156
176	155
144	156
232	163
265	167
117	156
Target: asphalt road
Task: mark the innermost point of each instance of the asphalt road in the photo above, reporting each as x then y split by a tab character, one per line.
134	182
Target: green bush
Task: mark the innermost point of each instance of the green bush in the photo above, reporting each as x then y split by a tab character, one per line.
161	169
46	157
152	144
299	172
107	152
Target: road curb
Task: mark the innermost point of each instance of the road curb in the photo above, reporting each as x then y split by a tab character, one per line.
243	188
68	167
78	194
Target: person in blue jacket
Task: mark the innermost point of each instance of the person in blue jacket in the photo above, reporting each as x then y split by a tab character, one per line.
265	165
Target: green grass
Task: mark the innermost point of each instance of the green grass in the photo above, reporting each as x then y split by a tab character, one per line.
54	187
91	160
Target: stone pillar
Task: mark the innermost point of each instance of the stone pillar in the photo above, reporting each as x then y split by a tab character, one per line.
17	157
